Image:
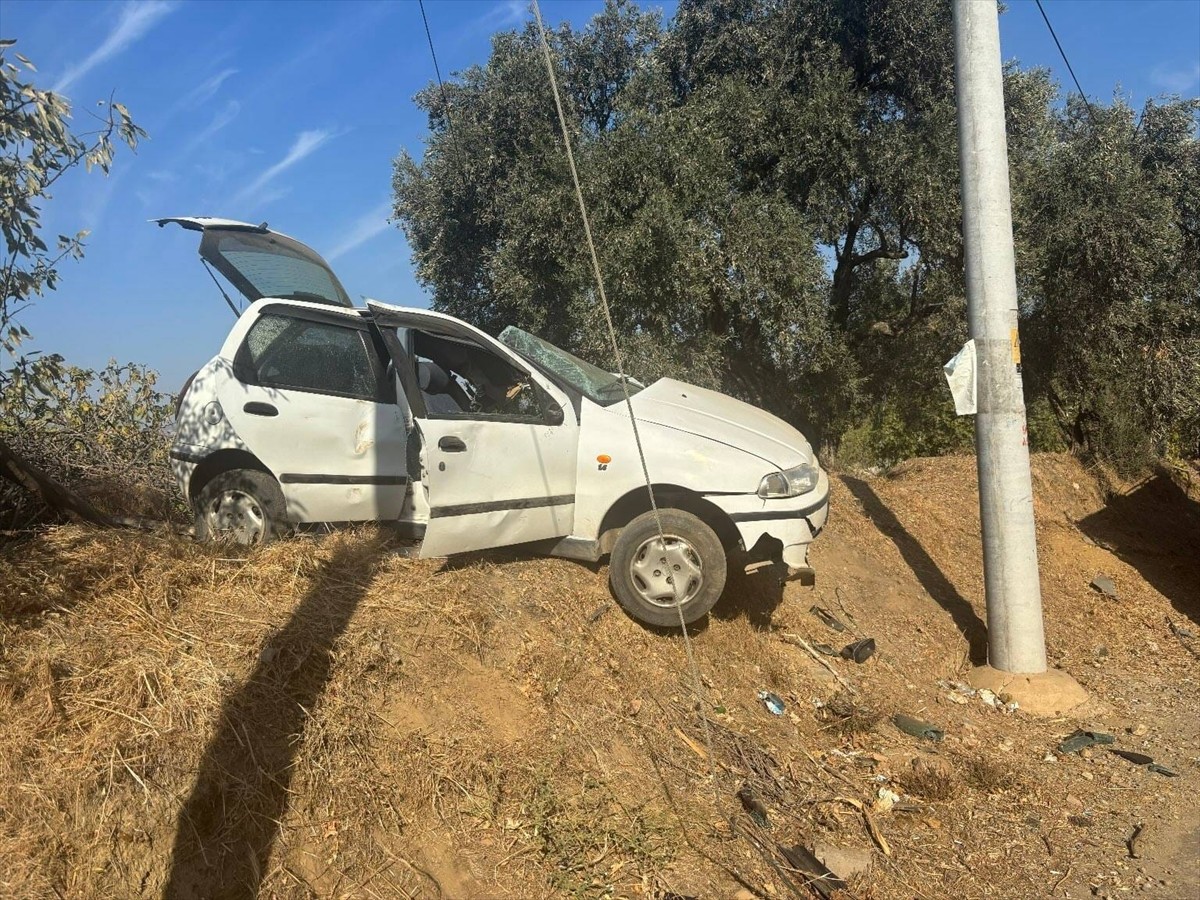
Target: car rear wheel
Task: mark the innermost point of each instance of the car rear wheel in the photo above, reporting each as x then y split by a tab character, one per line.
242	506
646	573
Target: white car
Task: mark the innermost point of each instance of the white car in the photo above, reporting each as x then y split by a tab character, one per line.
317	411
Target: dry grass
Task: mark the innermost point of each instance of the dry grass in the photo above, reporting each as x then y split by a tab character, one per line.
992	776
326	718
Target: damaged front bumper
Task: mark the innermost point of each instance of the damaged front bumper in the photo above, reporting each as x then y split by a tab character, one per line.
779	531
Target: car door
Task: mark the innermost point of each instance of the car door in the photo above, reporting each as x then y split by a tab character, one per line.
498	440
311	399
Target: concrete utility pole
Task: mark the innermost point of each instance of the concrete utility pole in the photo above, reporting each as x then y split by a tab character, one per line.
1014	599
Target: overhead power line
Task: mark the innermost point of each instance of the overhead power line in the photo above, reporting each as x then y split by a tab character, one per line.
445	96
1063	54
637	438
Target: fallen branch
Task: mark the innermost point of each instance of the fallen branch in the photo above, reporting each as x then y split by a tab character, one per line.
876	835
798	641
22	472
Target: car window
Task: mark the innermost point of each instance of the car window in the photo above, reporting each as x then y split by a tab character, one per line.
460	379
286	352
272	265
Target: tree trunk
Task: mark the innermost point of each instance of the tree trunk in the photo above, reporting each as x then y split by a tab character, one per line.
20	471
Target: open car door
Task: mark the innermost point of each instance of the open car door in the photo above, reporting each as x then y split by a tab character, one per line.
498	439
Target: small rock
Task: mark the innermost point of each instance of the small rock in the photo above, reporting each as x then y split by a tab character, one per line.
1139	729
1105	585
1086	753
635	706
267	654
842	861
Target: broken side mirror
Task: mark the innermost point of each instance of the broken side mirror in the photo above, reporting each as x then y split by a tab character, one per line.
554	413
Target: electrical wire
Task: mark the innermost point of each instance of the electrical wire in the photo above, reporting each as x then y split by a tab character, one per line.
1063	54
612	336
453	132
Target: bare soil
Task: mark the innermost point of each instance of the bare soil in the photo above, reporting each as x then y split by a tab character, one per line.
326	717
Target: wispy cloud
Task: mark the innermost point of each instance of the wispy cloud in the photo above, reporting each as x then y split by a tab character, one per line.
206	89
502	15
306	143
133	21
220	120
368	226
1176	79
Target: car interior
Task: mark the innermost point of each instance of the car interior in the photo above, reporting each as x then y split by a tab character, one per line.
459	378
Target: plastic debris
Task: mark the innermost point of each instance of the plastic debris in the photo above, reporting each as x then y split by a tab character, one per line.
819	878
1081	738
772	702
886	799
828	618
1105	585
1161	770
860	651
917	728
1138	759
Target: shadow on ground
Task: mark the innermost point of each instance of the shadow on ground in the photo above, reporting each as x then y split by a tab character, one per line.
935	582
1155	527
231	819
754	596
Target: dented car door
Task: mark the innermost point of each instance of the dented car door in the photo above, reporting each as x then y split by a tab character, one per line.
311	396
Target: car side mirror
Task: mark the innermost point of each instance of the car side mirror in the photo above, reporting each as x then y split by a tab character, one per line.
554	414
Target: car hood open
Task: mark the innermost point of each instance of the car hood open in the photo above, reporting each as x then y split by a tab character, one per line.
720	418
264	263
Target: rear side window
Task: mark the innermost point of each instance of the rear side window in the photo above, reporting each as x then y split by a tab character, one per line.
298	354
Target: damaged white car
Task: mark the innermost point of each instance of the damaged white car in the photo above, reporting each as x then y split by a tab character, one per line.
316	411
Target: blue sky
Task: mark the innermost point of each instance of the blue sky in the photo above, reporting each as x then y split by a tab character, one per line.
292	112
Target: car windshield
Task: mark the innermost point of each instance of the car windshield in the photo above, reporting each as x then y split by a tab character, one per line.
599	386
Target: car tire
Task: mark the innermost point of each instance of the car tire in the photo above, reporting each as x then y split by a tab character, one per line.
640	582
244	506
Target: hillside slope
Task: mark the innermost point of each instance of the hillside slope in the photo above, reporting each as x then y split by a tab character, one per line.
328	718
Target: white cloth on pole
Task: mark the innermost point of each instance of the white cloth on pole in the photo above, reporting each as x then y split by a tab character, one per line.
960	374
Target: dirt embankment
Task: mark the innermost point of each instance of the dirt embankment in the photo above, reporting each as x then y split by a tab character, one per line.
330	719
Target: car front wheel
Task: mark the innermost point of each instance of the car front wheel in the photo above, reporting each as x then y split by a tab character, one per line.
649	575
243	506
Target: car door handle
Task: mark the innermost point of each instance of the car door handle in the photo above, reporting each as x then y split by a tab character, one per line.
260	409
452	444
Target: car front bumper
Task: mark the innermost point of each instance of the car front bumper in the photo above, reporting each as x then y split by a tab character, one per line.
793	521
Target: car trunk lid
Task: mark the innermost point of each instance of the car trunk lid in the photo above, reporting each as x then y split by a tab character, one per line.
264	263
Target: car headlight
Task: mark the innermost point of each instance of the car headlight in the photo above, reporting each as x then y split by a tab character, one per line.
789	482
